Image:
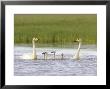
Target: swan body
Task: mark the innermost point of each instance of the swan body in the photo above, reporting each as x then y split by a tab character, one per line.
33	54
45	55
53	53
28	56
78	50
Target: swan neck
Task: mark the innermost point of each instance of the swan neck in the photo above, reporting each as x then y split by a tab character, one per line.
34	51
79	46
78	50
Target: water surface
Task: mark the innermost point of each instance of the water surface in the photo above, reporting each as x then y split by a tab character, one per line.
86	66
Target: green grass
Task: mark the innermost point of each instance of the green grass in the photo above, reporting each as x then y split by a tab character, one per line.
55	29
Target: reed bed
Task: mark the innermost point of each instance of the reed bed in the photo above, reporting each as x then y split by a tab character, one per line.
55	29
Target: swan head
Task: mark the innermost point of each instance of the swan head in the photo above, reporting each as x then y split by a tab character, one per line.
53	52
44	53
78	40
35	39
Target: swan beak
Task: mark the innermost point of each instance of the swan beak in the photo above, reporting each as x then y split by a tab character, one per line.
36	39
75	41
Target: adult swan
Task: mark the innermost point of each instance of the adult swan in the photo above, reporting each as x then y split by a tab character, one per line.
76	56
33	54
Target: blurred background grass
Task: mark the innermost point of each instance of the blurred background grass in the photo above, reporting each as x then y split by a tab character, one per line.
56	29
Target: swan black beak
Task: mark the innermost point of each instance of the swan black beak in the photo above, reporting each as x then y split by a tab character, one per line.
75	41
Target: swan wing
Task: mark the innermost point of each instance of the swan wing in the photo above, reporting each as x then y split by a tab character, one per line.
26	56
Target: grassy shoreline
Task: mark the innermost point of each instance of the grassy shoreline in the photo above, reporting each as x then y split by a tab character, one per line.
91	46
55	29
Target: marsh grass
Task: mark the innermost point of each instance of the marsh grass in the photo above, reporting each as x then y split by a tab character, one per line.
55	29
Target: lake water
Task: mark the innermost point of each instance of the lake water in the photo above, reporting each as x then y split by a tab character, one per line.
86	66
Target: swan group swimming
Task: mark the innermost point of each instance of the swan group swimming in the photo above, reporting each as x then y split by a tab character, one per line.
33	55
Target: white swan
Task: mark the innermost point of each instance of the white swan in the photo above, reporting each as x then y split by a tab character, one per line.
33	54
78	50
